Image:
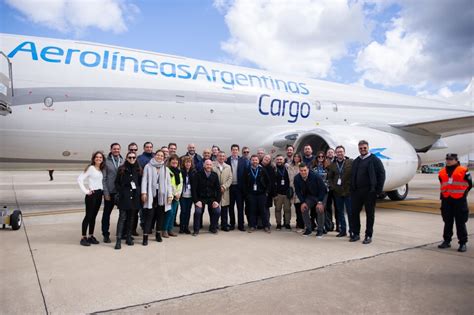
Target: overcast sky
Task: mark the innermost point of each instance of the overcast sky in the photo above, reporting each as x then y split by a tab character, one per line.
417	47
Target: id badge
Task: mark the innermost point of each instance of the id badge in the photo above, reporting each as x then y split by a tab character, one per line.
254	187
133	185
283	182
450	180
339	182
188	187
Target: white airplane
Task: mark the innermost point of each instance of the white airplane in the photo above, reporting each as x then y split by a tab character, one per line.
63	99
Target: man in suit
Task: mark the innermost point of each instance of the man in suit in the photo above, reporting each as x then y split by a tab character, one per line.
238	166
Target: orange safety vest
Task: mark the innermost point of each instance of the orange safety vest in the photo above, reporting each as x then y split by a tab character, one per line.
457	186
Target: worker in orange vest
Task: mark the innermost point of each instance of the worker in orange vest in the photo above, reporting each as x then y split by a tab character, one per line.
455	183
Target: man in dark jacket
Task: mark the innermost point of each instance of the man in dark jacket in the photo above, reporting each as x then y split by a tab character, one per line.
282	186
367	180
256	189
239	165
311	190
112	163
266	163
206	190
197	159
339	180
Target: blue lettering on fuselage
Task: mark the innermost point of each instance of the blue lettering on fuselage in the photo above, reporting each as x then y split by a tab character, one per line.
268	106
110	60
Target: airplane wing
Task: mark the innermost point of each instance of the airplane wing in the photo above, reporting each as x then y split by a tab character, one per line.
446	126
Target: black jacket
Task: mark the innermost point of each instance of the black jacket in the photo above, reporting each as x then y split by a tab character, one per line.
262	181
128	198
313	186
375	173
206	189
281	174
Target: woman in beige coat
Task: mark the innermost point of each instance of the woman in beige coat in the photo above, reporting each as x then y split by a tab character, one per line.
224	173
293	170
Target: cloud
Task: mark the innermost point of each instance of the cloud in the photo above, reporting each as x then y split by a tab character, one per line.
302	37
77	16
426	44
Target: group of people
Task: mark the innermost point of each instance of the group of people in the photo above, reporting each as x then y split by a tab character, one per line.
150	187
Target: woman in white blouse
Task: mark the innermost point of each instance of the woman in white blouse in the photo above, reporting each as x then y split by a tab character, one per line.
93	175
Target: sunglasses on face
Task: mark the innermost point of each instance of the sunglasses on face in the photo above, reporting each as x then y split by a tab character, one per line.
246	152
363	148
133	150
321	156
132	157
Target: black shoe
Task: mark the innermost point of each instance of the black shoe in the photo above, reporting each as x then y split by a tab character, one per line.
84	242
341	234
181	231
367	240
195	233
259	227
130	241
307	233
444	245
319	234
232	227
107	239
278	228
93	240
118	244
354	238
287	226
225	229
462	248
187	231
145	240
213	231
325	231
241	229
158	237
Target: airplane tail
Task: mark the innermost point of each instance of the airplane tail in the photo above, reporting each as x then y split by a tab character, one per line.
465	97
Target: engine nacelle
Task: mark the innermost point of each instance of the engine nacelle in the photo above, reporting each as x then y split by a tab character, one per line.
397	155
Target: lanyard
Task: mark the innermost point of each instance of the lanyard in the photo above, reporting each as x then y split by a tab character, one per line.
339	169
255	174
116	164
282	174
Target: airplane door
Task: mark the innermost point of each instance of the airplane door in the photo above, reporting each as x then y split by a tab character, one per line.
6	85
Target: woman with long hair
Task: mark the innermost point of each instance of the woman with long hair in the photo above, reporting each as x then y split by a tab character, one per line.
186	200
93	199
320	167
293	170
127	185
177	187
157	194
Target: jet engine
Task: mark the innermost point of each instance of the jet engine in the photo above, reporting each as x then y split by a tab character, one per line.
397	155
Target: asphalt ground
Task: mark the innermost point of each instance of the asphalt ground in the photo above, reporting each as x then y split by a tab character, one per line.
43	269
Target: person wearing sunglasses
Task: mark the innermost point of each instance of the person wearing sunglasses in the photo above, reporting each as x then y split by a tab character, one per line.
132	147
127	185
456	182
367	180
320	166
246	153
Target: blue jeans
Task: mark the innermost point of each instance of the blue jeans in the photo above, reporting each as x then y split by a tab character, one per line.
185	215
214	215
340	203
169	218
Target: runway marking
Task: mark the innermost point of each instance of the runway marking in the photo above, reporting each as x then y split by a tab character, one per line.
54	212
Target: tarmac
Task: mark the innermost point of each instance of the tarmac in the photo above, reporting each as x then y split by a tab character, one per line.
43	269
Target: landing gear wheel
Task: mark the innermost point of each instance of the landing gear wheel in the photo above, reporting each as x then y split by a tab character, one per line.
16	219
398	194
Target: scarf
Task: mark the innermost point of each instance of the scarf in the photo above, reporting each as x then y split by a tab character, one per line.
161	169
176	172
